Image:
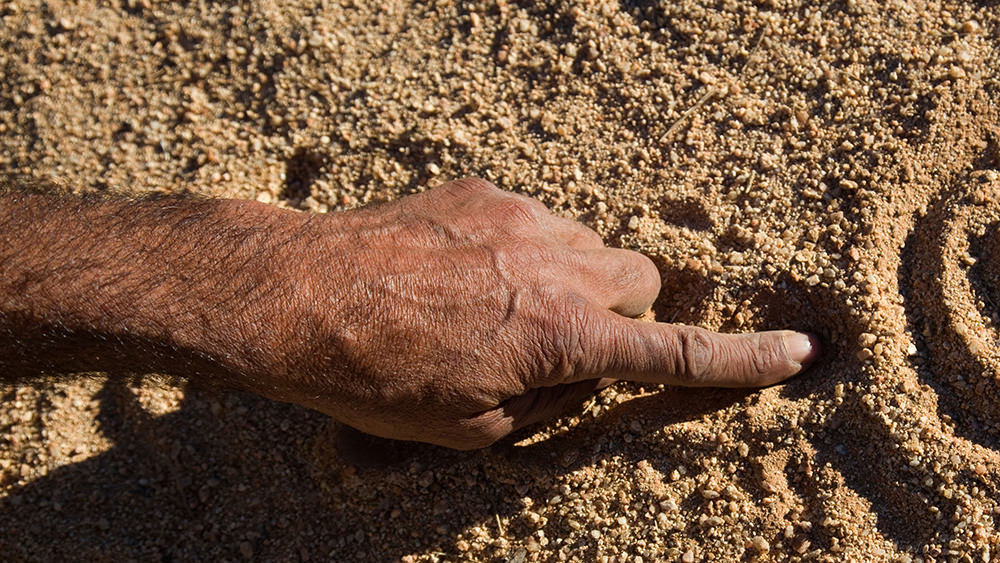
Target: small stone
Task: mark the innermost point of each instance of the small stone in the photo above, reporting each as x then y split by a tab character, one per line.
688	556
633	223
713	521
760	544
433	169
867	340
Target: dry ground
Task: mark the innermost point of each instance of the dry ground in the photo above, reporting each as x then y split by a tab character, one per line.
830	166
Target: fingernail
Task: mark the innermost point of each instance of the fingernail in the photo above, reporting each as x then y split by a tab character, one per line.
801	347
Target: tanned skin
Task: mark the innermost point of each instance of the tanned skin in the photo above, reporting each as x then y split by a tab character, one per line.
452	317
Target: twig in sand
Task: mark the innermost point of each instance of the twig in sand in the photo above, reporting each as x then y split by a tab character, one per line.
753	50
713	91
708	95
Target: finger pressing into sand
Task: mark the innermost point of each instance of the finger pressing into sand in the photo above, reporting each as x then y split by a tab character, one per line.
691	356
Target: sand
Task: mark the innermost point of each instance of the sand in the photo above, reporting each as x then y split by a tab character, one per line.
833	167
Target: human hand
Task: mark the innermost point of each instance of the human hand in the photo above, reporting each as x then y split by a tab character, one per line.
452	317
458	315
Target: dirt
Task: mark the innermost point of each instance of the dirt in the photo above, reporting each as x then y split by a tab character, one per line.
824	166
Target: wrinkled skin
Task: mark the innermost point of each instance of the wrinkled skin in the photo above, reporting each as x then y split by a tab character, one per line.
469	312
453	317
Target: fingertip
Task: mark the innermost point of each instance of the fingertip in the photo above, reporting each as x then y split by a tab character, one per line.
802	348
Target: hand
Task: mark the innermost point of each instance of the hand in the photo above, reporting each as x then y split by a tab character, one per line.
460	314
451	317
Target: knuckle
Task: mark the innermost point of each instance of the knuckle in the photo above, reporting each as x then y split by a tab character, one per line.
576	323
574	350
516	212
635	272
567	349
532	203
469	187
587	237
765	355
697	354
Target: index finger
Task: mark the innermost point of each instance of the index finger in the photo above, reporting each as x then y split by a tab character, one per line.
614	346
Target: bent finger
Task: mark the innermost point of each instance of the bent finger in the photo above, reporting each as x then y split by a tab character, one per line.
623	281
543	403
572	233
536	405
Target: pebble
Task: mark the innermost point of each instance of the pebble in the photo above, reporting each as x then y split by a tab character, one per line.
760	544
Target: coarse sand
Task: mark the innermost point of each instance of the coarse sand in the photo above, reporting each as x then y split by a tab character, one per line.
831	166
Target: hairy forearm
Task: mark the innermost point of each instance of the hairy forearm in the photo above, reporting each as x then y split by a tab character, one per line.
110	285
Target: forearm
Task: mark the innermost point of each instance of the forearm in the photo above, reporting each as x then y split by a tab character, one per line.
105	285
